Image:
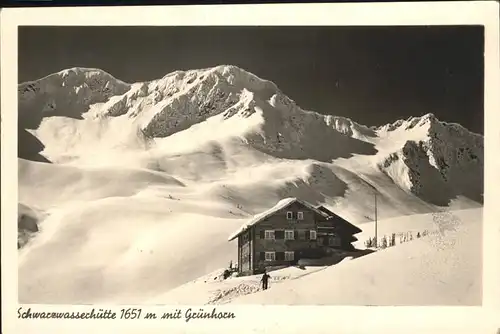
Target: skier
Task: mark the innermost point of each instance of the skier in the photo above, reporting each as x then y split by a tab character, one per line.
264	280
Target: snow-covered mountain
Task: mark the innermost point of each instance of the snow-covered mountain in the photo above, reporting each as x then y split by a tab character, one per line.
447	157
242	104
67	93
274	124
129	171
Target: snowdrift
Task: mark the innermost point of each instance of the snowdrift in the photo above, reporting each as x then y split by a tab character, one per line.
118	250
48	185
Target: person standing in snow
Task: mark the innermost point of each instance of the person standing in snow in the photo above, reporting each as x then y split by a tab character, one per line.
265	280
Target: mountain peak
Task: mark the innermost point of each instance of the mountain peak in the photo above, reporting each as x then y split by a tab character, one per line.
87	72
234	75
77	74
432	155
408	124
228	68
69	93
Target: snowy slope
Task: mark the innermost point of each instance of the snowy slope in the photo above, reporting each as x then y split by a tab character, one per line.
442	268
139	172
213	289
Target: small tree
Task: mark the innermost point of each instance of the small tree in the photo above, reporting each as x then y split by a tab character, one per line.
393	239
226	274
384	242
369	243
418	235
411	236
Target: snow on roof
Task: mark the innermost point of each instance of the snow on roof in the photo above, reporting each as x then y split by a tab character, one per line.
280	205
347	224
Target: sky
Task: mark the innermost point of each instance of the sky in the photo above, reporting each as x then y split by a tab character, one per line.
373	75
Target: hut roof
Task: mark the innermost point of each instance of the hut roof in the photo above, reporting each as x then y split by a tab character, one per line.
280	205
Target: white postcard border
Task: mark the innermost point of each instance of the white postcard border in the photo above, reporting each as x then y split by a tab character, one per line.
317	319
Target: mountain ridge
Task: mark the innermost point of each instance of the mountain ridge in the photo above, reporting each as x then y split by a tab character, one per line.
255	111
408	123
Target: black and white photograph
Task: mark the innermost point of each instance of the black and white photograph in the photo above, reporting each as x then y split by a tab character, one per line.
297	165
311	165
250	168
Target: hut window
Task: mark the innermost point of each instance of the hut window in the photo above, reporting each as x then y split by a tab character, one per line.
270	256
280	234
289	256
312	235
269	234
300	215
289	215
289	235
